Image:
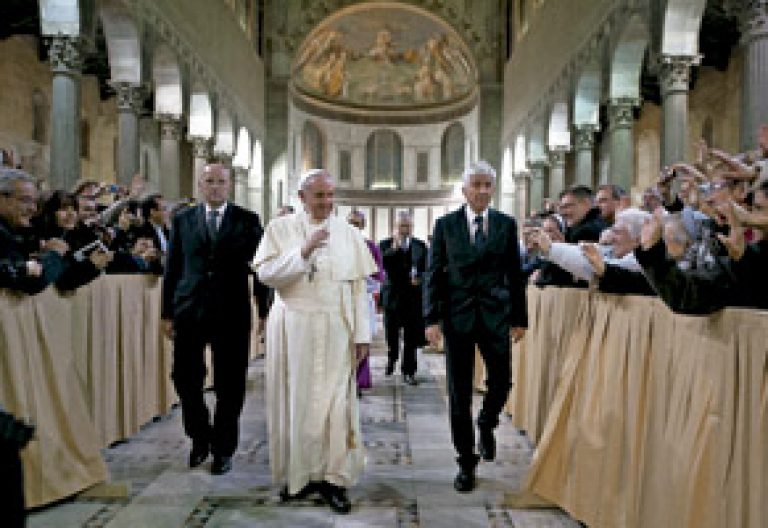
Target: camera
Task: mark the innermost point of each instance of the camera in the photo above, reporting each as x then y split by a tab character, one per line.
85	251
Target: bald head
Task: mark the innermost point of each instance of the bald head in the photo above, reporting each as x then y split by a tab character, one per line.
214	184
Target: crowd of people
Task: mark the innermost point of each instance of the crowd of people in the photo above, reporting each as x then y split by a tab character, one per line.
697	240
69	238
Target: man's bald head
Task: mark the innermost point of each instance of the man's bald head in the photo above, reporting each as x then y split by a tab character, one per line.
215	184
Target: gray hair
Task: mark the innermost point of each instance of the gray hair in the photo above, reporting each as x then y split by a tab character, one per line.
9	177
309	177
479	167
633	218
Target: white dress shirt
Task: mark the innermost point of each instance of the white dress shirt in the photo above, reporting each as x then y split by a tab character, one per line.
221	209
472	225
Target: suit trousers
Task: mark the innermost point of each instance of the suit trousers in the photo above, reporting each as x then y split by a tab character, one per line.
229	357
413	335
11	486
460	366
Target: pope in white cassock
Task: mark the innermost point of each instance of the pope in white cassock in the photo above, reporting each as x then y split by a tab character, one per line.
317	331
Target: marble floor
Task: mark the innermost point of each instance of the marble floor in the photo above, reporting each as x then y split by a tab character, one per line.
407	481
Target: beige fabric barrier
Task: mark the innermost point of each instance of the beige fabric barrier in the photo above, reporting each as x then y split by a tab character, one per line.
644	418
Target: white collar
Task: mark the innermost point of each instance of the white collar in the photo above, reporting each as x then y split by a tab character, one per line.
220	209
471	215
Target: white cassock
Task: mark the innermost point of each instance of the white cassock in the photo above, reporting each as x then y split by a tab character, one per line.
319	313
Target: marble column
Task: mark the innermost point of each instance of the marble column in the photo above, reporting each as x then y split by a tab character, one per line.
240	184
754	76
675	77
170	156
129	102
538	176
201	152
66	64
621	120
521	196
584	145
556	170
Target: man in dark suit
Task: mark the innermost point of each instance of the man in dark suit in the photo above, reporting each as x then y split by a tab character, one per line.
475	292
154	213
405	259
206	301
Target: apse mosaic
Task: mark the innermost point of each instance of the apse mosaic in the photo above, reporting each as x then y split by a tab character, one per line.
384	55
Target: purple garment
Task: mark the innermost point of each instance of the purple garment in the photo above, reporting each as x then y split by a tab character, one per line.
376	254
364	375
364	372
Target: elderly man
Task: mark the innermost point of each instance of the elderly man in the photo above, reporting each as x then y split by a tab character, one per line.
405	260
318	330
19	269
475	291
614	267
205	301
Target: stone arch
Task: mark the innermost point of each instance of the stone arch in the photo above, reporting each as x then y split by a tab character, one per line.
384	160
242	157
224	139
312	146
452	153
257	165
682	22
586	101
627	60
166	76
559	131
200	112
123	43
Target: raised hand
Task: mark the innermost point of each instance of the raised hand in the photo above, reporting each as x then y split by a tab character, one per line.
318	239
651	232
55	244
595	257
734	243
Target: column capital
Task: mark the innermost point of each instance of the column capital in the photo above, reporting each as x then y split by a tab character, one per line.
170	126
225	158
65	53
201	147
584	136
557	156
536	166
753	20
675	72
621	111
130	97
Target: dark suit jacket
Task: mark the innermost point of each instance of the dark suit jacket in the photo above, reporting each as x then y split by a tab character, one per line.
15	251
205	278
397	292
470	290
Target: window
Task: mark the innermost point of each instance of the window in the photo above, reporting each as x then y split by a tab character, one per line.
345	166
312	147
422	167
452	153
383	160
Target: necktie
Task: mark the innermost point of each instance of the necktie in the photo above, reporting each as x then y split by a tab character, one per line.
213	224
479	233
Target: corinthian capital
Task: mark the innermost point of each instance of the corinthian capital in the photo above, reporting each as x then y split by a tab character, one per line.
584	136
675	74
65	53
621	111
170	126
753	17
130	97
201	147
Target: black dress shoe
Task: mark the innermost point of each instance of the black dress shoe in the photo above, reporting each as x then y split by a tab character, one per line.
410	379
486	443
198	454
335	497
465	480
390	368
303	493
221	465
